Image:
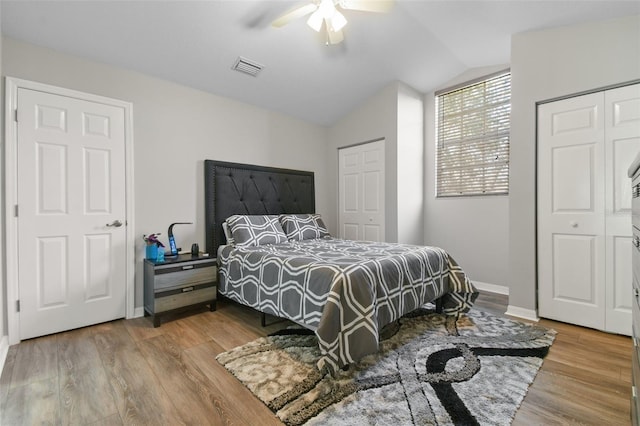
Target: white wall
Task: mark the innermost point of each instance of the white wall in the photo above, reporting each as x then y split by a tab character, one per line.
546	65
175	129
395	114
410	165
473	230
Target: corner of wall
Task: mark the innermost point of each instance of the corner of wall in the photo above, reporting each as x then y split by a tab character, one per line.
410	154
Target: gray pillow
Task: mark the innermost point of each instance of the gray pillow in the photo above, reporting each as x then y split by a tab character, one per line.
227	233
256	230
303	226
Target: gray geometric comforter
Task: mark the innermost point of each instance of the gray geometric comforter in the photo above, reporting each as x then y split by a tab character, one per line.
345	291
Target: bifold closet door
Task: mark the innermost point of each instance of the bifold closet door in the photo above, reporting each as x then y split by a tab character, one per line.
361	204
571	186
585	145
622	143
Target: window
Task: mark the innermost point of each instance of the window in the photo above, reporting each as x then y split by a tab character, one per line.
472	151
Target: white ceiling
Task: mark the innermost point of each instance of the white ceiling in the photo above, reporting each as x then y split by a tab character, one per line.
195	43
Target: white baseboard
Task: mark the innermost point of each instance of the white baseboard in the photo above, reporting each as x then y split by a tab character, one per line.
138	312
4	350
491	288
528	314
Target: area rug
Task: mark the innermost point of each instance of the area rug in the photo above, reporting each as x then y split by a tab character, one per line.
431	370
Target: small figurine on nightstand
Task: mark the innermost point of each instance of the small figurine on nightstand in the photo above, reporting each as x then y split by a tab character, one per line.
154	249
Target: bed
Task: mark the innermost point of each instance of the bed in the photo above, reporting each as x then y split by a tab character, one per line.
285	263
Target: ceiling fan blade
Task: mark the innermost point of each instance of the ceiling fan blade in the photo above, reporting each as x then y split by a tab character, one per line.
334	37
294	14
380	6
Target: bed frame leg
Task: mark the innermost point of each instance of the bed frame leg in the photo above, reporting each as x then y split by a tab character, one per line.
439	305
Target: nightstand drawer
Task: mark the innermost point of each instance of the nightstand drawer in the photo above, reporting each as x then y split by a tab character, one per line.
635	201
178	283
170	300
635	309
180	276
635	256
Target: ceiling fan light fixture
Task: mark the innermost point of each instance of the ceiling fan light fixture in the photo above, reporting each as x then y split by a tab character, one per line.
315	20
338	21
325	13
328	13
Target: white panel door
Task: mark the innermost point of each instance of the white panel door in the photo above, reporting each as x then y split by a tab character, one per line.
622	143
585	146
71	208
571	208
361	192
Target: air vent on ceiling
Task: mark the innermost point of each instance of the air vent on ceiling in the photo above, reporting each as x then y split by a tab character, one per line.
247	66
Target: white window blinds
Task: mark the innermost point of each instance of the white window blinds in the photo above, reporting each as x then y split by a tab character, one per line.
473	138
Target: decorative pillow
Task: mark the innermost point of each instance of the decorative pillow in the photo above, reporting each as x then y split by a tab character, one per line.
303	226
256	230
227	233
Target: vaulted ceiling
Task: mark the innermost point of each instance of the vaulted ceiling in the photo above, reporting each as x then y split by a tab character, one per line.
195	43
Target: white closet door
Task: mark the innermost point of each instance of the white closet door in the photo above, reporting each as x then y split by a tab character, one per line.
571	207
622	142
361	192
585	146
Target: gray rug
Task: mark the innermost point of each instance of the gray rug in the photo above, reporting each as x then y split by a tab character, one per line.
431	370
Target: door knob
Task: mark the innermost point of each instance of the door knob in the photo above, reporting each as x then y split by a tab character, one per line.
116	224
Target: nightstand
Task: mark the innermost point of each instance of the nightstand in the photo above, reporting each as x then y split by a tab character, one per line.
179	283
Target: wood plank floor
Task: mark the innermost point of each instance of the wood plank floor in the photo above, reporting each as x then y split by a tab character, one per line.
127	372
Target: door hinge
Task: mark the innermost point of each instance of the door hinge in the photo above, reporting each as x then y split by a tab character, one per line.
18	305
15	210
15	115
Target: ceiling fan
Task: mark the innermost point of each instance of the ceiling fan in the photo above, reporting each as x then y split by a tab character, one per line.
327	13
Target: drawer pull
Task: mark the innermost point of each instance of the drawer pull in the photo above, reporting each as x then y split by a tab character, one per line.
184	268
187	289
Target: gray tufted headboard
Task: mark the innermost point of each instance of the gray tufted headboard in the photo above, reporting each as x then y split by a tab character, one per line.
232	188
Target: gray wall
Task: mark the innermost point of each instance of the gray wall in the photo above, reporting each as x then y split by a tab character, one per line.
474	230
545	65
410	187
175	129
375	119
395	114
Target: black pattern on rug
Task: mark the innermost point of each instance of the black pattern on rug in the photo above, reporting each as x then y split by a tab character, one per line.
431	369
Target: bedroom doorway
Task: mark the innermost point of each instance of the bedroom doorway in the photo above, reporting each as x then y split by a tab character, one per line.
67	210
361	202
